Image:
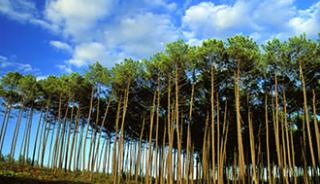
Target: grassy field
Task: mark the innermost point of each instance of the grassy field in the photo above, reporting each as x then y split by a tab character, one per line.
24	174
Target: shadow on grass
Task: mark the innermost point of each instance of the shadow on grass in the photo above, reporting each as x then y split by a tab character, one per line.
21	180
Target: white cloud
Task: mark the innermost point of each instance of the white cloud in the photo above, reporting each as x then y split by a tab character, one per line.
207	19
77	18
61	45
141	35
307	21
24	11
259	19
88	53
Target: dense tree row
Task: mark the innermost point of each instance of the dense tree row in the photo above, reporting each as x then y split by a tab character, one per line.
211	113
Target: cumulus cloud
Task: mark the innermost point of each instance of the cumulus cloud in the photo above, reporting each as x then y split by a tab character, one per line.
307	21
132	32
88	53
207	19
259	19
61	45
77	18
141	35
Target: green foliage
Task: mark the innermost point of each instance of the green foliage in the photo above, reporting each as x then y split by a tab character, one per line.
28	88
9	85
242	51
124	73
97	74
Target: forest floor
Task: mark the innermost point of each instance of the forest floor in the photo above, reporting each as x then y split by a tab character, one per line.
25	174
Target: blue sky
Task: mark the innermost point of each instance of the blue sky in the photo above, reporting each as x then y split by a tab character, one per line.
60	36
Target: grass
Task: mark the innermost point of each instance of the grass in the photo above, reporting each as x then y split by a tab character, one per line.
24	174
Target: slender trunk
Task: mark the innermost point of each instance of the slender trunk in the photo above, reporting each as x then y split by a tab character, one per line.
238	119
162	169
29	133
24	139
286	130
68	139
125	104
62	144
189	135
102	126
55	148
16	133
87	130
45	134
223	149
316	126
179	178
78	164
93	142
276	126
213	148
42	131
36	141
4	128
114	157
306	114
73	140
93	139
170	137
6	111
269	178
157	129
252	148
149	160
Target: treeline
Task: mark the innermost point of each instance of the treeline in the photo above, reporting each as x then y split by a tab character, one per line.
213	113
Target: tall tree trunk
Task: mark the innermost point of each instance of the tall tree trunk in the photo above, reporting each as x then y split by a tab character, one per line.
189	135
73	140
137	164
93	138
87	131
213	141
316	126
62	144
55	148
149	160
5	115
125	104
252	147
102	126
46	133
114	157
287	131
179	178
170	136
36	140
269	178
15	134
68	139
238	119
306	114
276	126
157	129
4	128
